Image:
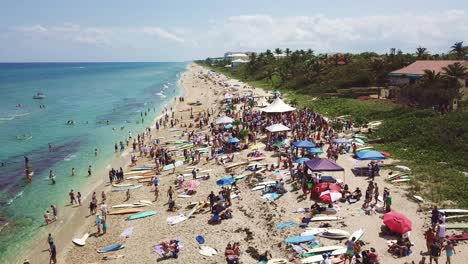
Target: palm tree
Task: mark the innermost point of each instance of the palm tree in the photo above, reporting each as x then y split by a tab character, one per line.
431	77
278	51
458	49
455	71
421	52
287	51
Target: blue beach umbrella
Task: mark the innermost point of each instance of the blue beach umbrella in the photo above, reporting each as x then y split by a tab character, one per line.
228	126
303	144
233	140
225	181
370	155
302	160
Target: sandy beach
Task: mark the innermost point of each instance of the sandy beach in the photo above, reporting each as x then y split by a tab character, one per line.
254	219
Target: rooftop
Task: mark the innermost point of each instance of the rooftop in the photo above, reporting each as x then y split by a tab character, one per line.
418	67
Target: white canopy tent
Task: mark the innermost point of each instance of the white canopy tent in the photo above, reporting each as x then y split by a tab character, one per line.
277	128
278	106
224	120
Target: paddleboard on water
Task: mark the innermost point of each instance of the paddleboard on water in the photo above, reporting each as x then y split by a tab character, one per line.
357	234
141	215
80	241
207	251
299	239
111	248
324	249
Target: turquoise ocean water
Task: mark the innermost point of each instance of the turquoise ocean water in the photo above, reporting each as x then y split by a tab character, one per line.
88	93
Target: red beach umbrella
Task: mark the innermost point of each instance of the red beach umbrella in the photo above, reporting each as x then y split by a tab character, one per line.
330	196
325	186
397	222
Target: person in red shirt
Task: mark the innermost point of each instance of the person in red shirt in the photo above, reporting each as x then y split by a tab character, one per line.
430	237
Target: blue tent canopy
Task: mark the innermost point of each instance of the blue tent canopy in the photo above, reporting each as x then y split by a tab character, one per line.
370	155
225	181
303	144
302	160
228	126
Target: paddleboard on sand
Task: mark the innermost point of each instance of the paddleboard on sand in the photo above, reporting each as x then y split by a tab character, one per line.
456	226
334	234
111	248
357	234
313	231
265	183
401	167
145	202
298	239
258	188
454	211
184	196
141	215
192	211
172	220
207	251
235	165
418	198
324	249
400	180
325	218
128	205
122	184
80	241
137	172
278	261
124	189
113	257
126	211
173	165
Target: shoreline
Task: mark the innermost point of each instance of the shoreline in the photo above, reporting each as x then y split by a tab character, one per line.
70	220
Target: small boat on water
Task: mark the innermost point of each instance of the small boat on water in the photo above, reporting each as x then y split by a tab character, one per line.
23	137
39	95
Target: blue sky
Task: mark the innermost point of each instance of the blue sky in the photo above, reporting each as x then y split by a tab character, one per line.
151	30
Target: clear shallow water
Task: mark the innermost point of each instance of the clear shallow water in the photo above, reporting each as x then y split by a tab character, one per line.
88	93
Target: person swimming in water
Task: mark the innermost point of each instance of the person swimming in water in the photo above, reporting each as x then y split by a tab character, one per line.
52	176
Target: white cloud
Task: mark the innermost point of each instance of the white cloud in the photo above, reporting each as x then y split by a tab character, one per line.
436	31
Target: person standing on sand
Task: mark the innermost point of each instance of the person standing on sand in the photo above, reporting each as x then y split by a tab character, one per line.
388	203
156	193
376	193
450	251
170	192
50	240
103	197
47	217
434	216
128	195
212	197
98	222
104	211
429	235
89	170
54	211
72	197
435	252
349	250
79	198
53	254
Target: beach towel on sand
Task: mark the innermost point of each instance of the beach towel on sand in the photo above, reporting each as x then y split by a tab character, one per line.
284	225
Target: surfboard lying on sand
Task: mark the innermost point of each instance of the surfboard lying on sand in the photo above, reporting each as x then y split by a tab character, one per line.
122	184
325	218
334	234
207	251
124	189
298	239
172	220
278	261
400	180
313	231
235	165
141	215
126	211
324	249
463	236
456	226
111	248
454	211
128	205
173	165
80	241
145	202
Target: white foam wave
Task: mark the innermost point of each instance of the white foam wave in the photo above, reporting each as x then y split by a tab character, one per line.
15	197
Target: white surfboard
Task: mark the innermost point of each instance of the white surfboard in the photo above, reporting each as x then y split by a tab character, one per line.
418	198
324	249
400	180
190	213
80	241
357	234
265	183
128	205
135	177
454	211
207	251
312	259
313	231
338	252
145	202
334	234
184	196
172	220
278	261
325	218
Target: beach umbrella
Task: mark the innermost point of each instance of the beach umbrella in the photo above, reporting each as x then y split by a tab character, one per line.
224	120
191	185
228	126
330	196
302	160
315	150
370	155
233	140
303	144
325	186
341	141
397	222
225	181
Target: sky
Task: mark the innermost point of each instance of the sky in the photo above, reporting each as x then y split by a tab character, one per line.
182	30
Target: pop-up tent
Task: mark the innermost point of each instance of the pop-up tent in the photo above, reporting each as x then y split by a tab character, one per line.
278	106
224	120
322	164
369	155
277	128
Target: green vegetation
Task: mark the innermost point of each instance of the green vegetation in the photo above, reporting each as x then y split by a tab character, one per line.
433	145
